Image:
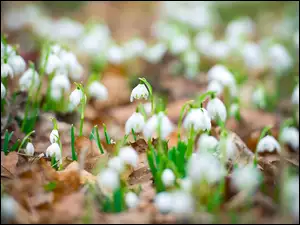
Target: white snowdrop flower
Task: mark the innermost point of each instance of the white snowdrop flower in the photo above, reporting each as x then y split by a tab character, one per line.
216	109
53	63
56	49
129	156
56	94
115	55
148	108
76	97
268	144
17	63
76	71
9	208
168	178
98	90
179	44
61	82
291	191
182	202
136	122
253	56
131	200
108	179
117	164
163	202
29	150
3	91
216	86
207	143
234	109
198	118
191	57
151	126
205	166
140	91
295	95
279	59
246	178
29	79
54	150
155	53
54	135
221	74
186	184
219	50
290	136
6	70
68	59
230	147
203	40
134	48
259	98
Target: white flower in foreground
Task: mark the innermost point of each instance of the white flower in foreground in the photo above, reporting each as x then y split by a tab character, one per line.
168	178
198	118
6	70
163	202
246	178
253	56
129	156
54	151
179	44
205	166
54	136
221	74
290	136
108	179
29	150
259	97
53	63
148	108
158	120
140	91
216	86
136	122
3	91
76	97
17	63
154	53
207	143
279	59
117	164
30	79
291	190
8	209
98	90
295	95
186	184
182	202
131	200
216	109
115	55
268	144
61	82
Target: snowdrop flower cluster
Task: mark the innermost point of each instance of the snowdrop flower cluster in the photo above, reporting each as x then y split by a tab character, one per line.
76	96
30	79
136	122
3	91
203	41
54	151
216	109
207	143
159	120
198	118
59	84
279	59
140	91
98	90
259	97
29	150
129	156
153	54
131	200
290	136
168	177
253	56
268	144
295	95
108	179
246	178
291	190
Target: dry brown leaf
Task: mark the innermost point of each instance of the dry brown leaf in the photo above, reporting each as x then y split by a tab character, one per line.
133	217
9	164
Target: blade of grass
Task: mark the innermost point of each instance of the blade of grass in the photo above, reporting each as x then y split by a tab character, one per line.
6	141
25	139
98	140
107	138
74	157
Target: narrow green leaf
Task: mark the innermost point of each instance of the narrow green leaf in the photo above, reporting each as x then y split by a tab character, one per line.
15	146
74	157
6	141
107	138
92	135
133	134
25	139
98	140
118	200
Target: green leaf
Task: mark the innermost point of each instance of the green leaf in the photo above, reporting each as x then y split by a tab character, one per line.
74	157
15	146
50	186
98	140
148	85
118	200
107	138
25	139
7	138
92	136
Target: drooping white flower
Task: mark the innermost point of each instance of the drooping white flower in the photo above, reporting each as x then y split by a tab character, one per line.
207	143
54	150
69	62
131	200
98	90
76	71
204	166
54	136
221	74
163	202
76	97
154	53
230	148
168	178
136	122
216	109
158	120
246	178
29	150
117	164
253	56
216	86
290	136
9	208
3	91
182	202
198	118
268	144
179	44
17	63
6	70
140	91
53	63
61	82
186	184
203	40
148	108
295	95
279	59
30	79
115	55
259	97
108	179
129	156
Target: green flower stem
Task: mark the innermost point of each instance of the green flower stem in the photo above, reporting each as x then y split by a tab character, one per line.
81	117
133	134
107	138
182	112
98	140
190	142
25	139
149	87
74	157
